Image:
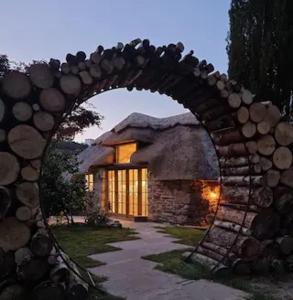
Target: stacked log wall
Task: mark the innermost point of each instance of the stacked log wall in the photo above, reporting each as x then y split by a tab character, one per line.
253	142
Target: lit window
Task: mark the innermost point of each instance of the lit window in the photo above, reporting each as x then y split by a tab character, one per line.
89	178
124	152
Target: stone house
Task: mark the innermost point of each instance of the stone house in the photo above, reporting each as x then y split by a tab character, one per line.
160	169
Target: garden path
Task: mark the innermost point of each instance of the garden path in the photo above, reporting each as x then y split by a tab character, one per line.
134	278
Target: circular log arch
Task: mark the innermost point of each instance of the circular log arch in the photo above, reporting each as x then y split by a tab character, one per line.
253	144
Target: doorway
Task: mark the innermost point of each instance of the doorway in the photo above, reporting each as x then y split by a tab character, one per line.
127	191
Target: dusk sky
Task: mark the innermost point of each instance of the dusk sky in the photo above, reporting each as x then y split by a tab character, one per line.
39	30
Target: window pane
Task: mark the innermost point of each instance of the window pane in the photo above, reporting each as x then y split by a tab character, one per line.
124	152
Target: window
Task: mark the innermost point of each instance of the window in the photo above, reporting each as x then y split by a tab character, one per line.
89	178
124	152
127	191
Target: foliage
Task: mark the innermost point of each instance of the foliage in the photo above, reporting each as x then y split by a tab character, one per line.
63	188
97	218
79	119
260	47
4	64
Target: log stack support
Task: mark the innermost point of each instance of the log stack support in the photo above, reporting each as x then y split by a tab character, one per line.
253	226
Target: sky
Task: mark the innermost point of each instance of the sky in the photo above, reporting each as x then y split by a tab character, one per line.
40	30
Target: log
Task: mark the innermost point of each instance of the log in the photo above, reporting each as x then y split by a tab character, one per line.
13	234
74	69
273	115
284	134
248	129
283	199
41	75
26	141
13	292
257	112
29	173
233	215
286	244
33	271
251	147
289	263
234	100
287	177
9	168
242	180
241	267
212	254
22	255
2	110
23	213
241	170
263	127
7	265
261	196
49	290
43	121
41	245
237	149
218	269
28	194
70	85
220	85
272	178
60	273
2	135
246	96
86	78
266	225
246	247
227	137
16	85
242	115
232	227
218	249
107	66
22	111
266	145
52	100
265	163
65	68
282	158
95	71
5	201
233	161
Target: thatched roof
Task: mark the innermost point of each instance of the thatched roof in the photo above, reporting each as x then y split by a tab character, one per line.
95	155
176	147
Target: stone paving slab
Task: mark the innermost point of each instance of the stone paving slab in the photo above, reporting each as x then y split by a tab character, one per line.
135	278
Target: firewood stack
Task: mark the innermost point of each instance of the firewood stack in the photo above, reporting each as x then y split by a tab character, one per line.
253	224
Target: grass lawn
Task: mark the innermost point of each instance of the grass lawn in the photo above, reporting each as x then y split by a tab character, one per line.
185	235
172	262
79	241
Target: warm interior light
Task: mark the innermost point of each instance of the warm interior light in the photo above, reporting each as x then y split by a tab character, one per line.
213	195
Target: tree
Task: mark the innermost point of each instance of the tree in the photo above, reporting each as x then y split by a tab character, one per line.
79	119
4	64
63	188
260	47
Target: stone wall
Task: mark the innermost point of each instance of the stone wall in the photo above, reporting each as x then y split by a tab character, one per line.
177	201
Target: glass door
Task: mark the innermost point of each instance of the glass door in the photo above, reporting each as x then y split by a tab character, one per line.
127	191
